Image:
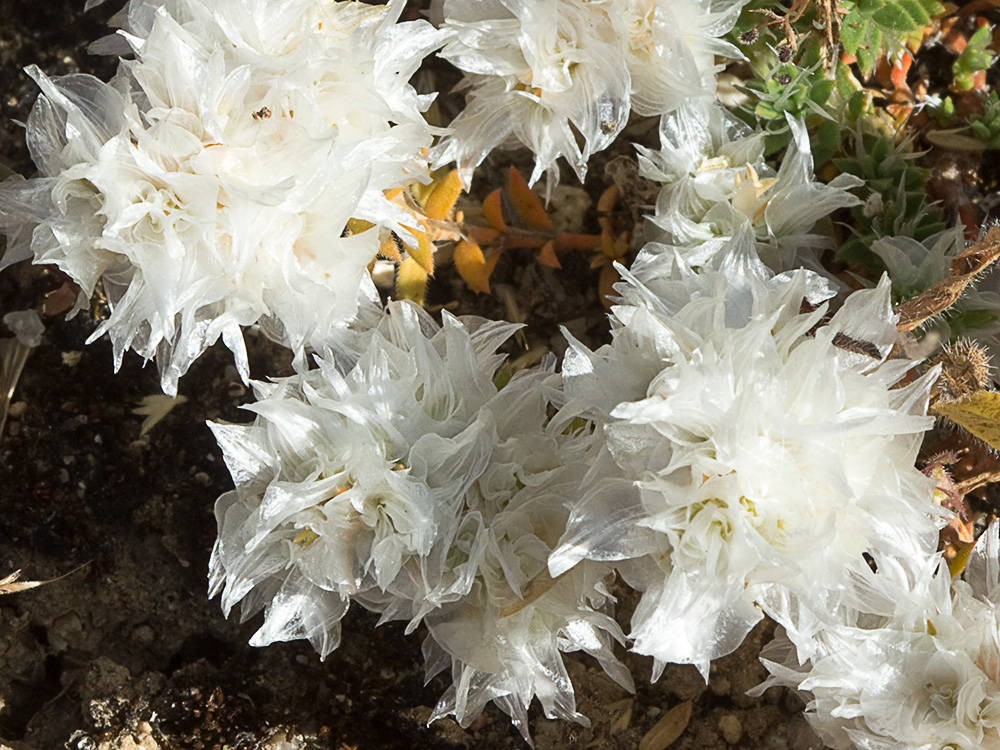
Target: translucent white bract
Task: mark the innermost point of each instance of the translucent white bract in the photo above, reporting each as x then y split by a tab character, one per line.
550	73
208	186
715	181
769	445
407	483
914	665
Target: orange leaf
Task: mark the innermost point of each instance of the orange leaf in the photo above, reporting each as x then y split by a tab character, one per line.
442	198
481	235
473	267
529	206
411	281
390	249
547	255
423	253
493	211
900	69
607	200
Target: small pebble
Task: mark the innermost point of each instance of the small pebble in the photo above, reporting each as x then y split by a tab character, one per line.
143	635
17	409
731	729
720	686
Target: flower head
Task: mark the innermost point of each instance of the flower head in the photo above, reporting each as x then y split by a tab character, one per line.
535	71
234	172
715	181
671	49
549	73
404	481
345	477
769	444
914	663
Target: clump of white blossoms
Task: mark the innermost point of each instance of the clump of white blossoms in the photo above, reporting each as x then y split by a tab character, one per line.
671	48
535	71
715	181
549	73
772	447
915	663
209	186
346	476
504	636
406	482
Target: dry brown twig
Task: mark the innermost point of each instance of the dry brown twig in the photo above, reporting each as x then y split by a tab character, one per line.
940	296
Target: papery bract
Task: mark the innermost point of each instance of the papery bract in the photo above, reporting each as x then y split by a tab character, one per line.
914	661
770	447
213	183
715	181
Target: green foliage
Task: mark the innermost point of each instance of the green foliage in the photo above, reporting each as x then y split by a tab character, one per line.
986	126
966	322
976	56
980	131
872	28
801	90
894	198
944	113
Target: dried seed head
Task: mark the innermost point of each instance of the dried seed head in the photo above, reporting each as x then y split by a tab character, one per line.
749	36
965	369
784	53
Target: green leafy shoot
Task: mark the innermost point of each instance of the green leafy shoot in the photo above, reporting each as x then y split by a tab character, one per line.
871	29
975	58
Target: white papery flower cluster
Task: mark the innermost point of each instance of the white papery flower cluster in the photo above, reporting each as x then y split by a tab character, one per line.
715	181
736	451
770	448
546	73
913	664
409	484
208	186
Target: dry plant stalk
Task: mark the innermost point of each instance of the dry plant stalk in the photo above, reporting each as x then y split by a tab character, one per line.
538	586
10	584
940	296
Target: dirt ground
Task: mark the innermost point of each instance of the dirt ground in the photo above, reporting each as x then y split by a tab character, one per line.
128	652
